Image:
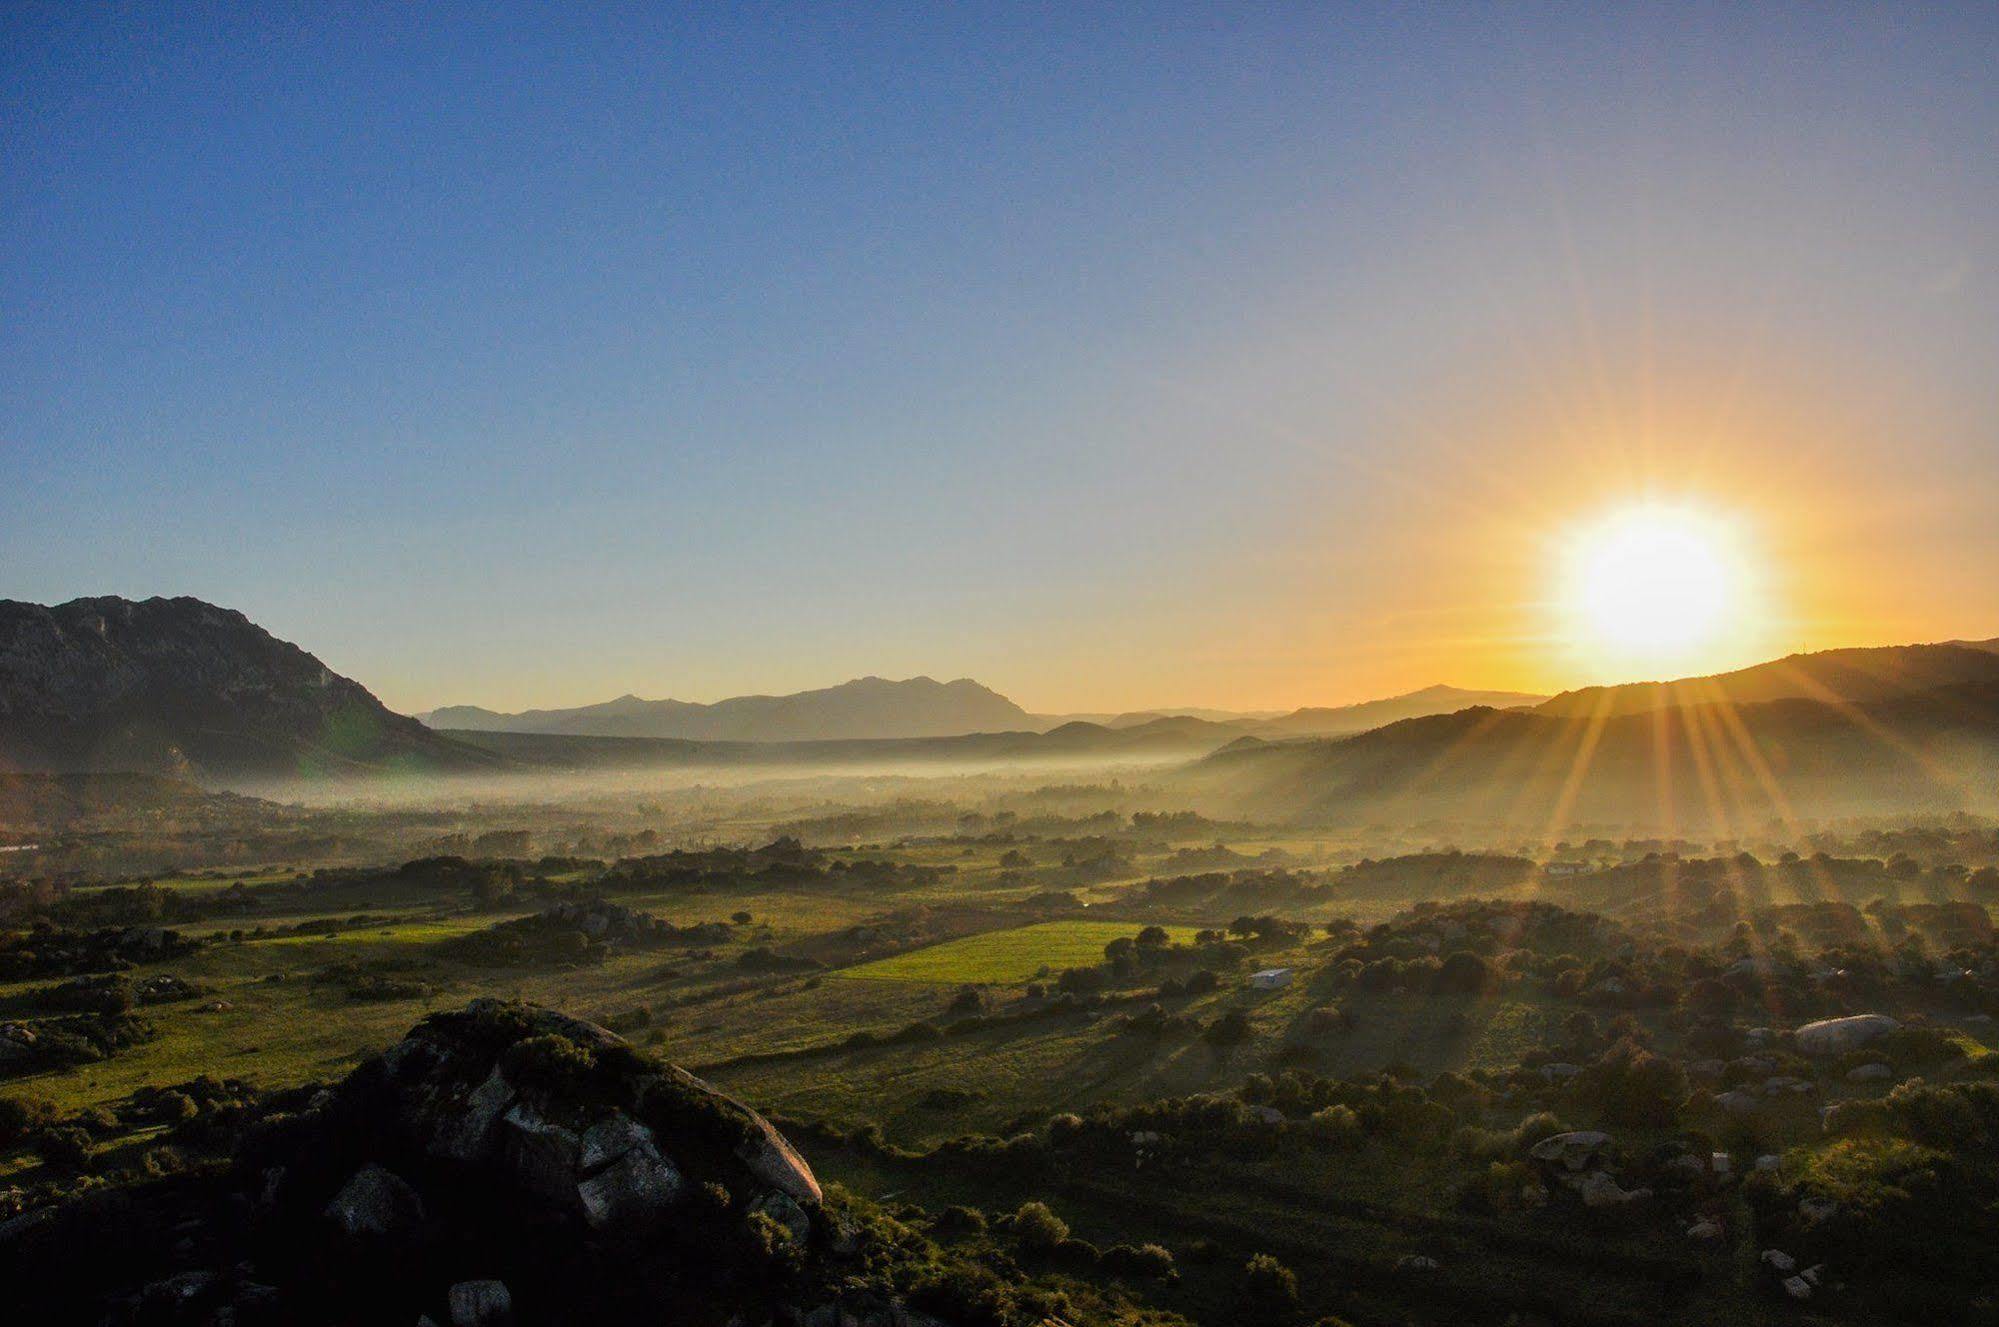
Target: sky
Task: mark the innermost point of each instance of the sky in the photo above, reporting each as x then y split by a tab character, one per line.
1248	356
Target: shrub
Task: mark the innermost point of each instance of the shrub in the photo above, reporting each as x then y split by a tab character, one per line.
1631	1086
1268	1285
1463	973
959	1220
1145	1260
1536	1127
20	1117
1337	1126
1231	1029
548	1064
65	1148
1036	1228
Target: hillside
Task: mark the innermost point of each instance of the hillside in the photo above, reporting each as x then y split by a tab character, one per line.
31	802
1720	768
1832	676
182	687
868	707
1338	720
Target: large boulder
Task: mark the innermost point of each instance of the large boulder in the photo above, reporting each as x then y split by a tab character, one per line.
1837	1036
1575	1150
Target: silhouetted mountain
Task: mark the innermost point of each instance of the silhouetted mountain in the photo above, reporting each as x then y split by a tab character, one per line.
869	707
182	687
1831	676
1321	721
1716	768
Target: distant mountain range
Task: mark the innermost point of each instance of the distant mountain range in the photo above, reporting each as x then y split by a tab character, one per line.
1842	733
181	687
868	707
876	708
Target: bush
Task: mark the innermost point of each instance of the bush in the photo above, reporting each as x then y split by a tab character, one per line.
1231	1029
1463	973
1036	1228
1145	1260
1337	1126
20	1117
548	1064
1269	1286
1536	1127
66	1148
1631	1086
958	1220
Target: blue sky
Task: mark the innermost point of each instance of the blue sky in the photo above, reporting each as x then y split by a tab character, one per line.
1116	356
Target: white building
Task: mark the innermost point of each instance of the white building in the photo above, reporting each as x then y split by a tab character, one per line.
1270	978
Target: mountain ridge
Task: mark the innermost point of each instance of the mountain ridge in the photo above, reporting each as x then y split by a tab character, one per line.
185	688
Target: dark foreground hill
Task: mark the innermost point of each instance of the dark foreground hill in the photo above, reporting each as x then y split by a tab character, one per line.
182	687
504	1164
868	707
1717	768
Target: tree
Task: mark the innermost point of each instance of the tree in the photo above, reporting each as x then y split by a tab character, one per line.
1631	1086
1463	973
1153	937
1231	1029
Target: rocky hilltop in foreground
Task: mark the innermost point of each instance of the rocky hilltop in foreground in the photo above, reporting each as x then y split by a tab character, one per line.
182	687
502	1164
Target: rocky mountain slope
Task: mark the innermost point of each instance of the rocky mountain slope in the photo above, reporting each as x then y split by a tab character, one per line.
182	687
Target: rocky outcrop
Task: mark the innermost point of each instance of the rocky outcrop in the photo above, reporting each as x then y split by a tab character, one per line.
607	1154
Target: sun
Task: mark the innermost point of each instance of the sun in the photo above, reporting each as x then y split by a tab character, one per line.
1656	583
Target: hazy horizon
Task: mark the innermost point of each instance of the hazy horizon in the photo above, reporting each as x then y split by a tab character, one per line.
1118	361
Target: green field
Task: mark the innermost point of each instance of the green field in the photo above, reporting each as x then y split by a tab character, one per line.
999	957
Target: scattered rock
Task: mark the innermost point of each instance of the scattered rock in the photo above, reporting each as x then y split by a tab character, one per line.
1837	1036
1779	1261
481	1304
1599	1190
377	1203
1575	1150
